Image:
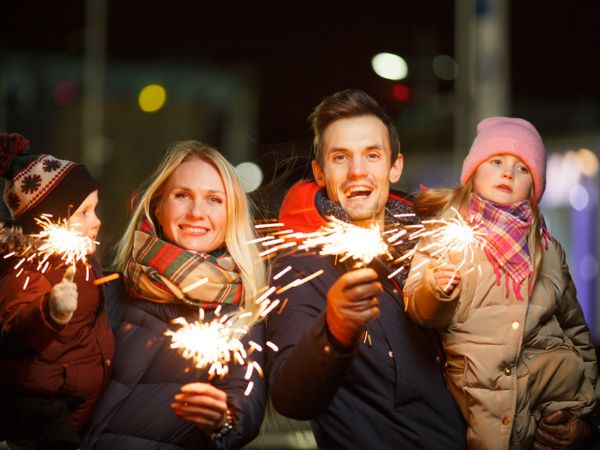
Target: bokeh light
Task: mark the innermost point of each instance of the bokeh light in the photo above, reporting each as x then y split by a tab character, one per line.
579	197
152	98
65	93
250	175
445	67
401	92
389	66
588	162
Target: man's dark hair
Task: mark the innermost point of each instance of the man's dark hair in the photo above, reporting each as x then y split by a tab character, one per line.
344	105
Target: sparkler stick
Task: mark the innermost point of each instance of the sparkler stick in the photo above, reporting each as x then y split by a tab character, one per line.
106	279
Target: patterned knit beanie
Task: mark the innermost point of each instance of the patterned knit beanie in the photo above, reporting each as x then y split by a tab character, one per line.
40	184
512	136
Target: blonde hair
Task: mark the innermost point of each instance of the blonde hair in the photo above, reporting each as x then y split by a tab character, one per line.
239	230
439	202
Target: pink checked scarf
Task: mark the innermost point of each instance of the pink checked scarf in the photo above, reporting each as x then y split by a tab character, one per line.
163	272
507	228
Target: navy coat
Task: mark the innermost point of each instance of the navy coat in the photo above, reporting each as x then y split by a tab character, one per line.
387	392
135	411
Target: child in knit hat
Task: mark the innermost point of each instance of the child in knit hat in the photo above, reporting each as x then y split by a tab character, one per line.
516	341
56	347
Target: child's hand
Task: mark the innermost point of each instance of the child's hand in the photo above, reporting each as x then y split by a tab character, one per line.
444	274
63	298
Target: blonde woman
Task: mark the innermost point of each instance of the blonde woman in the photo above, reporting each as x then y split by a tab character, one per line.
192	221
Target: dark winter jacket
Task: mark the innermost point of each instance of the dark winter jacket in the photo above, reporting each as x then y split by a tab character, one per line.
386	392
135	410
50	373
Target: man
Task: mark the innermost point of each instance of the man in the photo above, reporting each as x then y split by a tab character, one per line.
349	360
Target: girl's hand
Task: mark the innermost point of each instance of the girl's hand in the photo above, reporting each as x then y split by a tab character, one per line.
444	274
202	404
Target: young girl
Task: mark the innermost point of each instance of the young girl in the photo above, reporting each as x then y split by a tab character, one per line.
56	347
516	341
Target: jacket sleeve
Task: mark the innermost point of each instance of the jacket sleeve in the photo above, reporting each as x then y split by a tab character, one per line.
24	316
246	402
572	321
309	367
425	302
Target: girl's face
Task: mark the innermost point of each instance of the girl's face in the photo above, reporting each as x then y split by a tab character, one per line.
192	209
84	219
503	179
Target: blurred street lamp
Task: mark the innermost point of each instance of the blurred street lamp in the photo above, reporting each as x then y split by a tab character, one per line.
389	66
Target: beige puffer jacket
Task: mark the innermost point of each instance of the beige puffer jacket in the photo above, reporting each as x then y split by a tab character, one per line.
509	361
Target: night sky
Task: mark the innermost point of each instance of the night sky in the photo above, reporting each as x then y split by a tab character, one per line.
303	51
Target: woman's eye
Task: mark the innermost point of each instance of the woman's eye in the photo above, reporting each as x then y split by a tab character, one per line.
181	195
215	200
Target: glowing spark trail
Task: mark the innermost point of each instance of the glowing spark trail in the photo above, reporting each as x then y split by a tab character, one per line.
58	239
450	237
208	344
349	241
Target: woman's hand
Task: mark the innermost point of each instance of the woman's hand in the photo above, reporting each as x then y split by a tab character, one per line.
202	404
443	276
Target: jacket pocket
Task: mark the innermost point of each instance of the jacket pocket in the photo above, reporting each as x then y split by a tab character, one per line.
454	374
70	379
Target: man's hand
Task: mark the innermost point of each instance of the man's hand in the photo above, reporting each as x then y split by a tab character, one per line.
447	277
202	404
63	298
351	304
562	430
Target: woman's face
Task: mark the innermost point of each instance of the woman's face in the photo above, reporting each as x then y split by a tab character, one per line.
503	179
192	209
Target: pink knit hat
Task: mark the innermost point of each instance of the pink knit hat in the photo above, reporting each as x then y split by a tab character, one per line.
512	136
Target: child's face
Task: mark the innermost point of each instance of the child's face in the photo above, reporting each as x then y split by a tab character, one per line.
503	179
84	219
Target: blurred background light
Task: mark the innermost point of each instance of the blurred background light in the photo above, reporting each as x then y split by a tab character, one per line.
588	267
389	66
579	197
445	68
588	162
152	98
250	175
65	93
401	92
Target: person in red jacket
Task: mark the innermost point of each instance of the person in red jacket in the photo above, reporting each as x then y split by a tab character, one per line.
56	347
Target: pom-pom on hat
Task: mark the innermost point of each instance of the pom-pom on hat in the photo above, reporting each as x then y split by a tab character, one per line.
512	136
40	184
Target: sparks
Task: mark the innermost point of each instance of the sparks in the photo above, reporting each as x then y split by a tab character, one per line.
208	344
59	239
349	241
452	238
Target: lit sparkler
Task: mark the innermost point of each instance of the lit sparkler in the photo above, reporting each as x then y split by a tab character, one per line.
450	239
59	239
349	241
218	343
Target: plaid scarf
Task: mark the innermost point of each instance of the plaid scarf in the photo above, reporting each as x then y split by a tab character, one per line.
507	228
163	272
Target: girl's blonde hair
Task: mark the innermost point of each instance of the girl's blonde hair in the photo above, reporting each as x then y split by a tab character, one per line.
239	230
439	202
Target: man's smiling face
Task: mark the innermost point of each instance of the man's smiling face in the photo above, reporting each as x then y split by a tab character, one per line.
357	170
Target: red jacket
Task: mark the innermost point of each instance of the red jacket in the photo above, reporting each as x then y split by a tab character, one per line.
299	212
39	357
